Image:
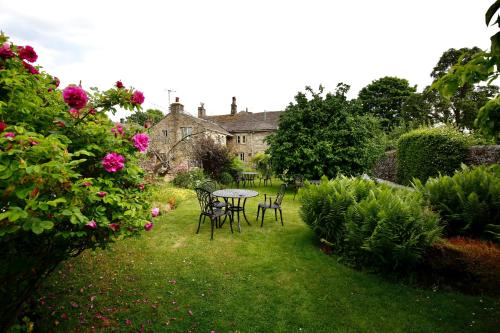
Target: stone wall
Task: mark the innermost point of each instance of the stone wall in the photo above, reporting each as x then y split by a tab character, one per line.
385	168
254	144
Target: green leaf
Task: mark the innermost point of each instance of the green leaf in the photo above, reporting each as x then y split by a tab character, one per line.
54	202
491	11
47	224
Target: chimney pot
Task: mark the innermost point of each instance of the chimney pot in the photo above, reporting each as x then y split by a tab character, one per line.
233	106
177	100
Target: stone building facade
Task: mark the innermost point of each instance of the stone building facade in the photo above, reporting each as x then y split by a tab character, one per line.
243	132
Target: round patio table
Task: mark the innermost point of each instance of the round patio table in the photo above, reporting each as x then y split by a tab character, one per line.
233	198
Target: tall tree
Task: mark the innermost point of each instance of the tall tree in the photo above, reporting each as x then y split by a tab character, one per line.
460	107
324	135
140	117
384	98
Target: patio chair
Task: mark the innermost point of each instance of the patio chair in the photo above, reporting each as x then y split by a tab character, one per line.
249	178
266	177
211	185
272	204
298	183
208	209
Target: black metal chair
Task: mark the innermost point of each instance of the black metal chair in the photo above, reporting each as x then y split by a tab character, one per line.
211	185
208	209
266	177
269	203
298	183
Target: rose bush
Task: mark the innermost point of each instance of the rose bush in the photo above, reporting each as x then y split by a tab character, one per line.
68	181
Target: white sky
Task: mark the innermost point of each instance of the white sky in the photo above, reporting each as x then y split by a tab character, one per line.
262	52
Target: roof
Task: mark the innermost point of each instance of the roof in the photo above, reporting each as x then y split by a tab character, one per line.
207	123
248	121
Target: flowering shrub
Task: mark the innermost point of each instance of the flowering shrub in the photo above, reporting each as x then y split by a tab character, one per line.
68	182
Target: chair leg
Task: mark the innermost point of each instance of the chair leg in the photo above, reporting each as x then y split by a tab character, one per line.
275	215
258	211
199	223
230	222
281	217
263	213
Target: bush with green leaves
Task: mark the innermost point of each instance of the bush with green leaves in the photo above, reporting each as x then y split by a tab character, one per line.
468	201
69	177
226	178
189	179
427	152
368	224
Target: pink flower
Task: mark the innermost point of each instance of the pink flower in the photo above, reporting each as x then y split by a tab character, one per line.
137	98
74	113
141	187
33	142
155	212
56	81
75	97
119	84
118	129
27	53
9	135
102	194
30	68
5	51
128	322
114	226
141	142
2	126
91	225
148	226
59	123
87	184
92	111
113	162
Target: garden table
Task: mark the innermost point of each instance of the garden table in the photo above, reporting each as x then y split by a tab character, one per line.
236	206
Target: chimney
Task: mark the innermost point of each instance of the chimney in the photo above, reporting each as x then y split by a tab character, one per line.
202	113
233	106
176	107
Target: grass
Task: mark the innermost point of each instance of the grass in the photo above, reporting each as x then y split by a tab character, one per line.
271	279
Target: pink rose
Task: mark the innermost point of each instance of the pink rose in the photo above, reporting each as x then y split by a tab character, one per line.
27	53
102	194
148	226
137	98
30	68
56	81
92	111
119	84
113	162
9	135
141	187
155	212
118	129
59	123
5	51
87	184
141	142
91	225
33	142
74	113
2	126
114	226
75	97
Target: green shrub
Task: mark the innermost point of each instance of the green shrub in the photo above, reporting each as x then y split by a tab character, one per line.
370	224
468	202
390	230
427	152
189	179
226	178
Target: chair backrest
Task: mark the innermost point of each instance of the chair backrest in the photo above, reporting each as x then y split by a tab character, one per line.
298	180
204	199
280	195
209	185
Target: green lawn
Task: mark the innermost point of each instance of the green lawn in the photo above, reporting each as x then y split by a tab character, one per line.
271	279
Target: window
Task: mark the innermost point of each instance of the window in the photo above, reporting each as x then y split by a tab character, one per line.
241	139
242	157
186	131
165	132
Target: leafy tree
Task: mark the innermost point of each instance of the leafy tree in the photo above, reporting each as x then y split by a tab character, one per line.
69	178
461	106
324	135
384	98
140	117
215	158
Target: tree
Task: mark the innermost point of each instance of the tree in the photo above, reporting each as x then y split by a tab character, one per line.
384	98
69	178
215	158
461	107
324	135
140	117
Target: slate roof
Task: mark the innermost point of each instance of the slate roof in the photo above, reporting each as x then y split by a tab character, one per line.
248	121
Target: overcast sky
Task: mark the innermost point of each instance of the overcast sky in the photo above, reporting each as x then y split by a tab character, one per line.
262	52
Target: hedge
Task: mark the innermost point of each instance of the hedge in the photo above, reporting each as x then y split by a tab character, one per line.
428	152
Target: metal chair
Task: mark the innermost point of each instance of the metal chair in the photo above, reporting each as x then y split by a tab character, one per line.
298	183
208	209
266	177
211	185
269	203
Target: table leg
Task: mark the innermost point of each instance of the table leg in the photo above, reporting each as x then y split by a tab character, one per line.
238	212
244	215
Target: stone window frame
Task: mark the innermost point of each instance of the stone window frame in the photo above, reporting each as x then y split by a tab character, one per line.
241	139
164	132
242	156
186	131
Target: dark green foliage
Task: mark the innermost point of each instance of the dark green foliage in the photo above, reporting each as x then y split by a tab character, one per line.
226	178
384	99
468	201
324	135
426	152
141	117
189	179
370	225
214	157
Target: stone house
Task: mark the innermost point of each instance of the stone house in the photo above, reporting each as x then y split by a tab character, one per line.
243	132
